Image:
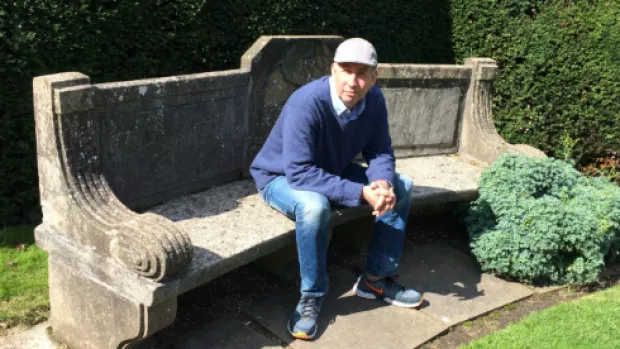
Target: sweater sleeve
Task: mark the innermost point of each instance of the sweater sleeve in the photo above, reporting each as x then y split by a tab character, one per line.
300	134
378	152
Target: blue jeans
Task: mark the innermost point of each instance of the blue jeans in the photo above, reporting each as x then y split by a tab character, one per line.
311	212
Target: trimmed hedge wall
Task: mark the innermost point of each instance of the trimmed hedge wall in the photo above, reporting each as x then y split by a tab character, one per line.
560	70
111	40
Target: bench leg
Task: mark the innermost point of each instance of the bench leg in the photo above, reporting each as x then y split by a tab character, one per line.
87	314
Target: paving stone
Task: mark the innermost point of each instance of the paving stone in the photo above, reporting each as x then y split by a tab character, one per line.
32	338
453	285
226	333
348	321
545	289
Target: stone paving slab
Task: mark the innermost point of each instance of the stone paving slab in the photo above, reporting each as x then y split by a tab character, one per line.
545	289
225	333
32	338
348	321
453	284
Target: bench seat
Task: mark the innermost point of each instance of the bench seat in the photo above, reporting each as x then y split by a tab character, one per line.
230	225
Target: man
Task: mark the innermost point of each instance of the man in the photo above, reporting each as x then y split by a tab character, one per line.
305	166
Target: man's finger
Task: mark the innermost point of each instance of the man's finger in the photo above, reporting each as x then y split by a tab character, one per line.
379	202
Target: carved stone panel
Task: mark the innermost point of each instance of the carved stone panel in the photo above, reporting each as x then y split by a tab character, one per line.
278	66
176	145
424	116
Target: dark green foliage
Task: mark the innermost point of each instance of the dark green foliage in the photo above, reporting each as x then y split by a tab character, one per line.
560	71
540	220
112	40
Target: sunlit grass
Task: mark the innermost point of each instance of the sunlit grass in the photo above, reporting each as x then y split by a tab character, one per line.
590	322
23	278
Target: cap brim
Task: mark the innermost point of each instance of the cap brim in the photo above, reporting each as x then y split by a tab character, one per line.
355	61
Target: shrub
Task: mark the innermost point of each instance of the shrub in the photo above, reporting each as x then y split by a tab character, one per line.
540	220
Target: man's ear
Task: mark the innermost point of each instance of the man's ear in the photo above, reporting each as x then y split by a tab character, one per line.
375	74
333	66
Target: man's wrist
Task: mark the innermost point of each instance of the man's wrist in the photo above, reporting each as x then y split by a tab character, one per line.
382	183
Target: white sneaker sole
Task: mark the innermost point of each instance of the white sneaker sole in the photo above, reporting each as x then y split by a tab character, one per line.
367	295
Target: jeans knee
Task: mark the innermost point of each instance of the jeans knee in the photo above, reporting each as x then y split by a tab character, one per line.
314	208
404	186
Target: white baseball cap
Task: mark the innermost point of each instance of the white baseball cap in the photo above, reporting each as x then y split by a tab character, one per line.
356	50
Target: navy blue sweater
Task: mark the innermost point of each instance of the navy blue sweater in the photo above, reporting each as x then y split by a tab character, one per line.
312	147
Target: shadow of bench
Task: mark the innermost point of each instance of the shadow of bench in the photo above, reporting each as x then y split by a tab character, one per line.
144	184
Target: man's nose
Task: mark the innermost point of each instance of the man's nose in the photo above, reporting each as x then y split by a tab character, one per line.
351	80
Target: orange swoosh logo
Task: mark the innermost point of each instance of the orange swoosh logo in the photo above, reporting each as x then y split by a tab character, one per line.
378	290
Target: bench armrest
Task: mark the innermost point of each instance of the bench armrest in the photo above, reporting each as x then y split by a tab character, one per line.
75	197
479	138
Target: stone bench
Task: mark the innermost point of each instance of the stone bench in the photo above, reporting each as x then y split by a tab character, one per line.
144	184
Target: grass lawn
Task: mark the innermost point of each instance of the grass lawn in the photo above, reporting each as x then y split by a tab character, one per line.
23	278
590	322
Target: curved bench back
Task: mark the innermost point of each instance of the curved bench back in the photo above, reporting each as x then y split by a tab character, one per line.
156	139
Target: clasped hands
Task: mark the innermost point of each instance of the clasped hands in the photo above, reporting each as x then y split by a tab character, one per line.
380	196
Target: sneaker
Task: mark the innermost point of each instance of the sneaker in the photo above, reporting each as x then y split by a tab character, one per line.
388	290
303	321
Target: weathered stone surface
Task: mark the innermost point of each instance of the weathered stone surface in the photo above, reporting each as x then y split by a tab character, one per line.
95	316
224	240
453	284
33	338
479	138
226	333
423	72
76	198
545	289
154	155
348	321
425	106
441	179
172	144
112	94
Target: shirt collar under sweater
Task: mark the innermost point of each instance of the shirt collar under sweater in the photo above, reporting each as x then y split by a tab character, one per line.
341	110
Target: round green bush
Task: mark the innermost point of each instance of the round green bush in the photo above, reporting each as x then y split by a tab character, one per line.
539	220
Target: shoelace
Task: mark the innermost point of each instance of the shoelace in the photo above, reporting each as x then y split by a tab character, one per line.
390	283
308	306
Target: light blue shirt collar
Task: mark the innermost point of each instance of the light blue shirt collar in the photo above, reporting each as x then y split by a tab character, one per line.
341	110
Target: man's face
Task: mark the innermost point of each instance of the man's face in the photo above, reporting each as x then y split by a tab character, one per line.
353	80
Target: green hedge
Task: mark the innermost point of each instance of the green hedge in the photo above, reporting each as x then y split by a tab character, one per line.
112	40
560	71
